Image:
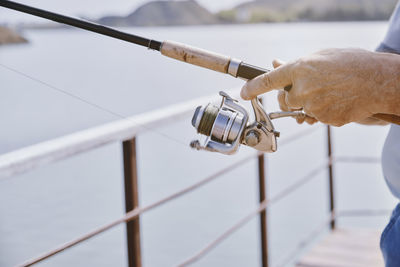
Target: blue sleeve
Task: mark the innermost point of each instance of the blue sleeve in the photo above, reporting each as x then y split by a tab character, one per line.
391	43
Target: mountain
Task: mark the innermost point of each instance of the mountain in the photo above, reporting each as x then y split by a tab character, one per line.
8	36
309	10
189	12
164	13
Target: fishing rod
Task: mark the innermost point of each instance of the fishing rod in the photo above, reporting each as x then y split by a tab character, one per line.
175	50
226	126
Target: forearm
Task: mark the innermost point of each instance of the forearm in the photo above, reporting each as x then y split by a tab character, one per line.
387	96
372	121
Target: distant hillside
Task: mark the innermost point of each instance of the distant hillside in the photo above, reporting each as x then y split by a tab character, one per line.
8	36
164	13
189	12
309	10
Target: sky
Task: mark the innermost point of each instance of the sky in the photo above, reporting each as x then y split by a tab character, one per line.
95	8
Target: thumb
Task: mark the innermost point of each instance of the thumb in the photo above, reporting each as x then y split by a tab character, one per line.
275	79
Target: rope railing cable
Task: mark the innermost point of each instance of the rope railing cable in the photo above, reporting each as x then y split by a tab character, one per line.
357	159
136	212
207	248
44	153
306	241
363	212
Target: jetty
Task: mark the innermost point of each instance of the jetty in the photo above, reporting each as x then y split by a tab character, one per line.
339	248
346	248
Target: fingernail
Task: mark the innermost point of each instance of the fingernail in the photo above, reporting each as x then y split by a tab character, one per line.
276	63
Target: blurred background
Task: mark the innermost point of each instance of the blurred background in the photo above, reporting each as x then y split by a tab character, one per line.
56	203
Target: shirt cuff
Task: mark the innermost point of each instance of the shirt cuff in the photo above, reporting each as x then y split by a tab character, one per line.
386	49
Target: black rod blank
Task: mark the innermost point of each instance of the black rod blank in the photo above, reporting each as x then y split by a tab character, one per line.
82	24
245	71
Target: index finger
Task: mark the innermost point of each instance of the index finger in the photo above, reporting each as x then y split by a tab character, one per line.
275	79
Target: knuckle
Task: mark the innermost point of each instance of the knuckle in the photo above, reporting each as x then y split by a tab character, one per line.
266	80
299	63
283	107
326	118
337	123
310	120
281	98
293	100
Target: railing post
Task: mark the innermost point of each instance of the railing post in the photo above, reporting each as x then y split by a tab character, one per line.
263	214
132	202
331	178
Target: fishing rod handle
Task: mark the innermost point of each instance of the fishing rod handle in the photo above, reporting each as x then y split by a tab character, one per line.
195	56
210	60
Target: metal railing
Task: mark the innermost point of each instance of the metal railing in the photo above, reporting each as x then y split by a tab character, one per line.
125	131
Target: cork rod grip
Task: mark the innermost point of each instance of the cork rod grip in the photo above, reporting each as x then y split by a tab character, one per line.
195	56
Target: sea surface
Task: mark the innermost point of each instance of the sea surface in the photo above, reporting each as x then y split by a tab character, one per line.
56	203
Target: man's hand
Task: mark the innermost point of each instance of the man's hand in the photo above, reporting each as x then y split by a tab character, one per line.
335	86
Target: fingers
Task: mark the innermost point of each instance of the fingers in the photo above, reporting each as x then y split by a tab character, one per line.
282	101
286	101
292	100
282	96
275	79
300	119
310	120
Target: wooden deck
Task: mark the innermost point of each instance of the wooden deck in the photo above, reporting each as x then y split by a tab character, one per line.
345	248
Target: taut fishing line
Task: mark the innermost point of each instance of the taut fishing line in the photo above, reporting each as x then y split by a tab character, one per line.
90	103
228	126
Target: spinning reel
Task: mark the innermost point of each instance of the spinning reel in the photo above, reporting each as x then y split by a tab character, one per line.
227	126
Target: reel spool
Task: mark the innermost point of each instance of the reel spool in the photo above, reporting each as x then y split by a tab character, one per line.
222	125
227	126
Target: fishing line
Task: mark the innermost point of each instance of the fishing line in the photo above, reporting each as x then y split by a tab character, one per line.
87	102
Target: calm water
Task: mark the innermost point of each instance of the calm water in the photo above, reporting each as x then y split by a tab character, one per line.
56	203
